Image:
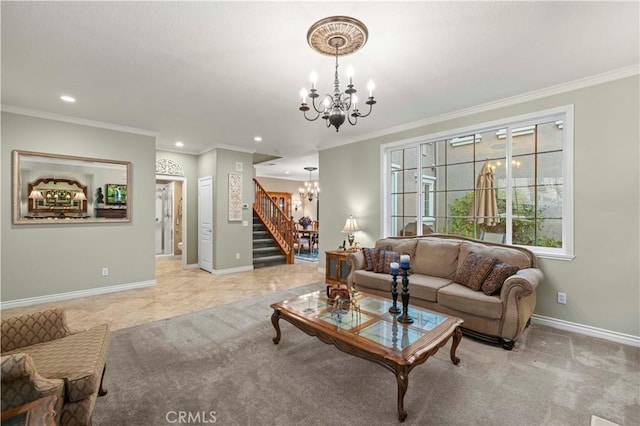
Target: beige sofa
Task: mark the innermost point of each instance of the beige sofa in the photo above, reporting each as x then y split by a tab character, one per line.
436	261
41	356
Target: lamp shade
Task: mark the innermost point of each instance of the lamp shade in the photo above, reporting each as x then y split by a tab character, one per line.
350	226
35	195
80	196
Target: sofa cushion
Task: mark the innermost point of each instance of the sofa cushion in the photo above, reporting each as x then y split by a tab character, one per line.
461	298
78	359
500	272
474	270
425	287
368	279
436	257
509	255
400	245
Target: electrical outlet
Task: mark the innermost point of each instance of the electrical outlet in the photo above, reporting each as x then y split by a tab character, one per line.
105	272
237	255
562	298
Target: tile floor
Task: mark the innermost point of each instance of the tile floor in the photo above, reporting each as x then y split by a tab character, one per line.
177	292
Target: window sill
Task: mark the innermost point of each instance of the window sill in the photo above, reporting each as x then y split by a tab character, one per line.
553	256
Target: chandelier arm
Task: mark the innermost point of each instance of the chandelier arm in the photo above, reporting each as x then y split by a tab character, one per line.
355	118
324	109
310	119
367	114
348	101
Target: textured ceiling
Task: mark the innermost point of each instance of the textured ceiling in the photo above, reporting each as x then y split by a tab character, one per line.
220	73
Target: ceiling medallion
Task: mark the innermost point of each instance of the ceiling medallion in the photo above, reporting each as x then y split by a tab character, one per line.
348	34
337	36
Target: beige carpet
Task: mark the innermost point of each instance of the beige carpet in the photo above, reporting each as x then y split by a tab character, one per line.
221	364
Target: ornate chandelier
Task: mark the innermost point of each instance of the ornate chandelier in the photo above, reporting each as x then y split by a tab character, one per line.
311	188
337	35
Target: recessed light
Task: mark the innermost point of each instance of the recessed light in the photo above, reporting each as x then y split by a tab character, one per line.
68	98
257	139
179	144
287	172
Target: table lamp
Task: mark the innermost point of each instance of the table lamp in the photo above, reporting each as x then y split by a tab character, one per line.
35	195
350	227
80	197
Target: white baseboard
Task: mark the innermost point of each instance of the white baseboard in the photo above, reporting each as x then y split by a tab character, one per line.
232	270
20	303
192	266
614	336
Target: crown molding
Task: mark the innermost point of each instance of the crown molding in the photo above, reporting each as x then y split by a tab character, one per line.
513	100
76	120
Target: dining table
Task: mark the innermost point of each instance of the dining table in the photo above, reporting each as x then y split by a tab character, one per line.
311	234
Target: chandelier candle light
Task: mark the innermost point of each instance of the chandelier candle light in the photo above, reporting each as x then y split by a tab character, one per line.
337	35
311	188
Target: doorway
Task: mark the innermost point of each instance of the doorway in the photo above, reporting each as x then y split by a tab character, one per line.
169	212
164	218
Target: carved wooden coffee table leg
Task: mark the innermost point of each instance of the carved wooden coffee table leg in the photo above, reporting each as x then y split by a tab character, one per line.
402	377
275	317
457	337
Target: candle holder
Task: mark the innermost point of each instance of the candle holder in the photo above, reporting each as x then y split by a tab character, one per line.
394	294
394	335
405	318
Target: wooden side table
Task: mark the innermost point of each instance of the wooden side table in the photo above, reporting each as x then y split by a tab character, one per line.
35	413
336	267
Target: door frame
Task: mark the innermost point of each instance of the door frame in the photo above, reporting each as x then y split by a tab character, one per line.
184	212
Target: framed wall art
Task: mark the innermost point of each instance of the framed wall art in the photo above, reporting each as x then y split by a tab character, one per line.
235	196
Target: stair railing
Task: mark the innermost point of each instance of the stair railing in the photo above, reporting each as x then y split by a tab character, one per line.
275	220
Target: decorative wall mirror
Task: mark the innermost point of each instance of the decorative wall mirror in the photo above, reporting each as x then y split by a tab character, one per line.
49	188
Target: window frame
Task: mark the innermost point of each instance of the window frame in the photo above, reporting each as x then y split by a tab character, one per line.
564	113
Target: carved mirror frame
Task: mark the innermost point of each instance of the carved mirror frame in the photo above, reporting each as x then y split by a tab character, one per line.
63	189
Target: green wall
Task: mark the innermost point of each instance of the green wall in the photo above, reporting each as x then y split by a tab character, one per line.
48	259
602	281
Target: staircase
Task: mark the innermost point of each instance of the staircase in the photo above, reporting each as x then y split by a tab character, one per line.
266	251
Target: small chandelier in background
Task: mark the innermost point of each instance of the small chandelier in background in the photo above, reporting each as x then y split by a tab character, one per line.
311	187
337	35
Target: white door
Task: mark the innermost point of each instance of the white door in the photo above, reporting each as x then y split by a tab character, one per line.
205	223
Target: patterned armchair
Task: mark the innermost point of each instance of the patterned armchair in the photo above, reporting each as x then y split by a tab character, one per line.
41	356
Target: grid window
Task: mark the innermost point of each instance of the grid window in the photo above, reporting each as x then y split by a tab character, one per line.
504	181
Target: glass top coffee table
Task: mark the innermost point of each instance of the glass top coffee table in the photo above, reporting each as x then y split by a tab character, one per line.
367	330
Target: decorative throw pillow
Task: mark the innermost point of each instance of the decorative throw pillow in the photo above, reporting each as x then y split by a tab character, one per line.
389	257
368	258
378	258
500	272
474	270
